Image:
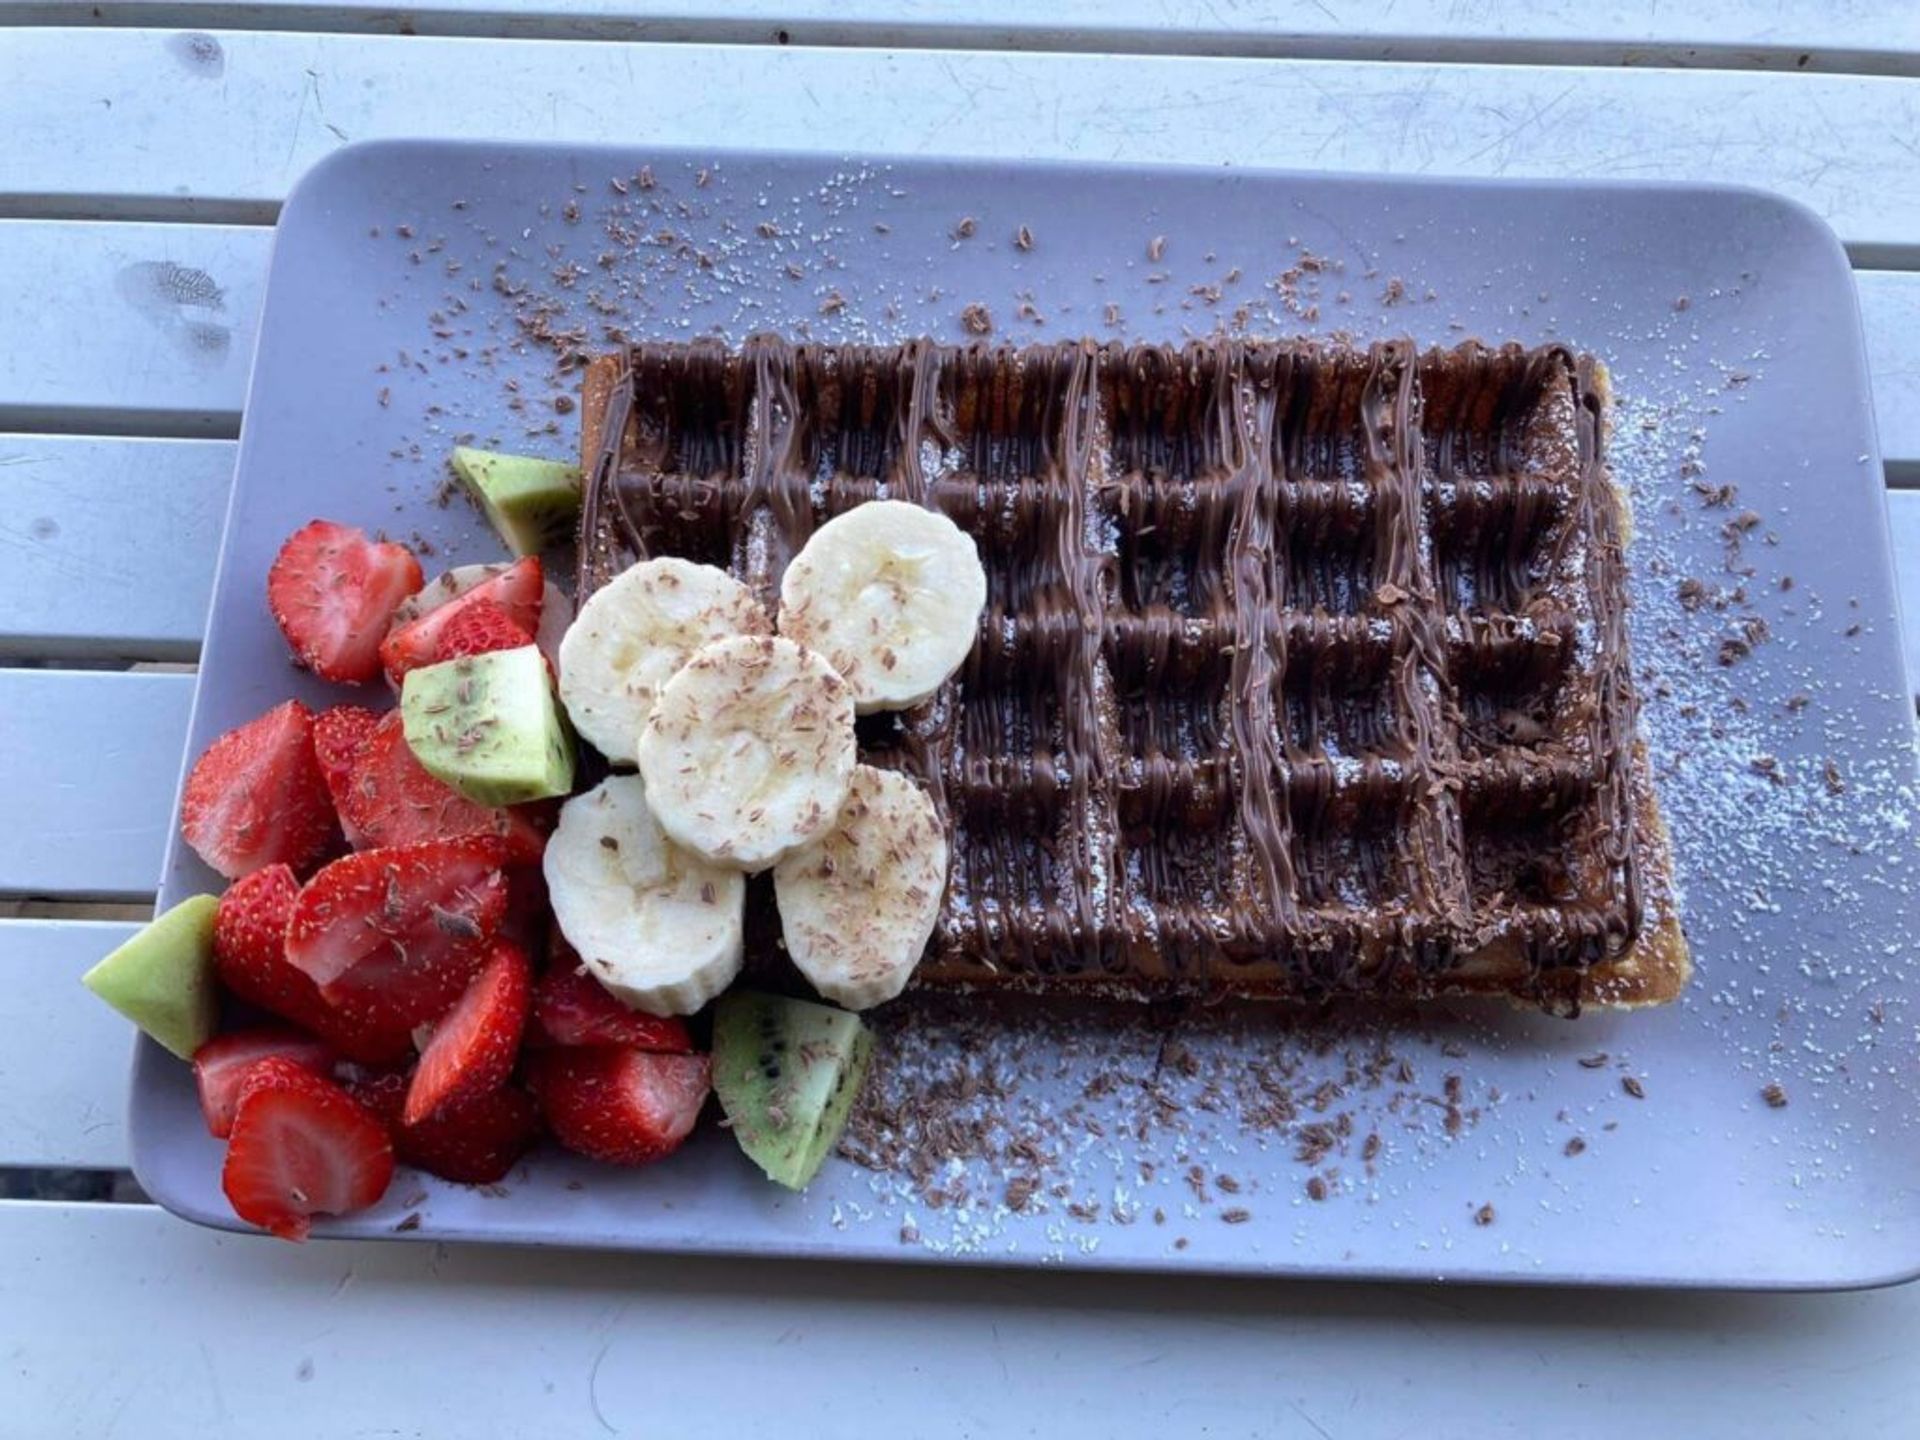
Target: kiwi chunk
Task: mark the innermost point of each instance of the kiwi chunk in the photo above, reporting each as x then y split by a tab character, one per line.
488	726
531	503
787	1073
162	978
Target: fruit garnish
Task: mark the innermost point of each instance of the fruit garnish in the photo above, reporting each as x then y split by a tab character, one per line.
400	933
333	592
258	796
858	905
392	800
418	641
161	977
220	1067
474	1144
623	1106
250	957
301	1146
659	927
338	733
570	1007
473	1049
488	726
480	628
530	503
632	636
787	1073
749	751
891	594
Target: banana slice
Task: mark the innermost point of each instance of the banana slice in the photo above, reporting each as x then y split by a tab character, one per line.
749	751
891	594
857	905
659	927
634	633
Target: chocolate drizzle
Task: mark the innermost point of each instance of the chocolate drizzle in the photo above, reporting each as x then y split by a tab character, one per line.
1303	668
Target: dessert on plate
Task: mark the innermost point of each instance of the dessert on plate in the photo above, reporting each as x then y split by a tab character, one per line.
1243	670
1303	668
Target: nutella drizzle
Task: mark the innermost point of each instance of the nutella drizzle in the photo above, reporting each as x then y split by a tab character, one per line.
1303	669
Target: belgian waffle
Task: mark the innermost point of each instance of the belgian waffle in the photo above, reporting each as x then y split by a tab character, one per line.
1304	667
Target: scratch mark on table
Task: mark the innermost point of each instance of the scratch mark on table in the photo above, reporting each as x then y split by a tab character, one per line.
1315	1425
593	1387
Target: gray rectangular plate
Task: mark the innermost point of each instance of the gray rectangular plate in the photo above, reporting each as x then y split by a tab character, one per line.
1729	321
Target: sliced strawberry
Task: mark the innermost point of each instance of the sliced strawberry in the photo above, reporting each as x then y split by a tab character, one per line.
474	1144
516	590
570	1007
383	1092
301	1146
399	933
333	591
529	916
250	943
473	1049
258	797
479	628
221	1065
619	1105
338	734
392	800
250	957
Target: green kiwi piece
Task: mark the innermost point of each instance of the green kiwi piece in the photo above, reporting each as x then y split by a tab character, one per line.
787	1073
488	726
531	503
162	978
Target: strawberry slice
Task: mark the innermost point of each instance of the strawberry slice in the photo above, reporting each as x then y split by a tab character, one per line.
570	1007
221	1066
399	933
338	734
480	627
529	915
473	1049
257	796
623	1106
333	591
390	799
250	957
516	590
474	1144
301	1146
383	1092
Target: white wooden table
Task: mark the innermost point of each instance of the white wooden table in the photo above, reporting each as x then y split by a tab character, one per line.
164	133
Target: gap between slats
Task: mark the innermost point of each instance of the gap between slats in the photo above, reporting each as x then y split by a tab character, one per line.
147	329
300	96
1858	46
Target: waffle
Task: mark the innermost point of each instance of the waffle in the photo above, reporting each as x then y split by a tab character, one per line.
1303	671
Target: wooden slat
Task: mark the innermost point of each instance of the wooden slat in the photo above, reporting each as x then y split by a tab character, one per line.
1881	36
107	546
83	139
141	329
125	363
63	1054
215	1335
88	768
1903	516
1890	312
